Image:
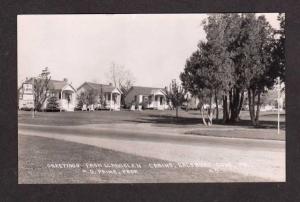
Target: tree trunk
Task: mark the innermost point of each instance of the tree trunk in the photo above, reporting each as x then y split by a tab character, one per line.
230	101
257	109
234	105
250	104
210	118
251	98
217	107
241	102
225	109
202	115
210	111
33	113
176	112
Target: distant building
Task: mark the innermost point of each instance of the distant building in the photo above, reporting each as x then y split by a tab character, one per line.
148	97
64	92
111	95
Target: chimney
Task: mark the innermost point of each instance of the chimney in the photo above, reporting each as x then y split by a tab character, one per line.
66	80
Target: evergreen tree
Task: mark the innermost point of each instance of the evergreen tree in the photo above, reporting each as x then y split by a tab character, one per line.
52	104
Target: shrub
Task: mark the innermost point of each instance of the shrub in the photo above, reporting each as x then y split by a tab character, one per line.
52	104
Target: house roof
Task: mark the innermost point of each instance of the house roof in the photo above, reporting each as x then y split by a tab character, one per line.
96	86
53	84
57	85
140	90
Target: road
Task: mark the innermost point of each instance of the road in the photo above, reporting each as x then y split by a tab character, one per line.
260	158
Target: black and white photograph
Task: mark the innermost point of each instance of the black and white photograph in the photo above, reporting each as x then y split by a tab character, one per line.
151	98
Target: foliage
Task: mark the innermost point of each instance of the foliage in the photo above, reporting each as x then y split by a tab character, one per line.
87	97
81	100
145	103
279	49
52	104
240	55
176	95
101	97
121	78
41	89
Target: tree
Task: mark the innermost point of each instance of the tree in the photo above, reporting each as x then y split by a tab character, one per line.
52	104
121	78
81	100
248	43
236	58
87	97
101	97
40	89
176	95
199	78
92	95
278	52
222	31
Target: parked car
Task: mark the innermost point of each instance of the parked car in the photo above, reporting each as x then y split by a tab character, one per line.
26	108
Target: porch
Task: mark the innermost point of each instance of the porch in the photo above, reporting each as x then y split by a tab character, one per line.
67	99
112	100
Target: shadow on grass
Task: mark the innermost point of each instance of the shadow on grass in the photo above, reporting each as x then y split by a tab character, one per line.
165	120
263	124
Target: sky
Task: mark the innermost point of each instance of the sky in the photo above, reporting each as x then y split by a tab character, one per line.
154	47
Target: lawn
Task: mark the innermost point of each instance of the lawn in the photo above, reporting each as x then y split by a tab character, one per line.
162	118
35	153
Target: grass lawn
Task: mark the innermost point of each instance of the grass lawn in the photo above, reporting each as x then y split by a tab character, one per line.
36	152
165	119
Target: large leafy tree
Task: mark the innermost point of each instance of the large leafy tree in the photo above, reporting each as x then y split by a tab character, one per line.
200	79
236	58
260	73
278	52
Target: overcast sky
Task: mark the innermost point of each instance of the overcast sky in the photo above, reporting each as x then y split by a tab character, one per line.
82	47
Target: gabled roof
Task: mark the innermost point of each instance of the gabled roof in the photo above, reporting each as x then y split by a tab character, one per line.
53	84
96	86
140	90
57	85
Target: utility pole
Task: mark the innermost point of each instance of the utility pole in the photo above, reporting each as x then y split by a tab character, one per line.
278	110
34	96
